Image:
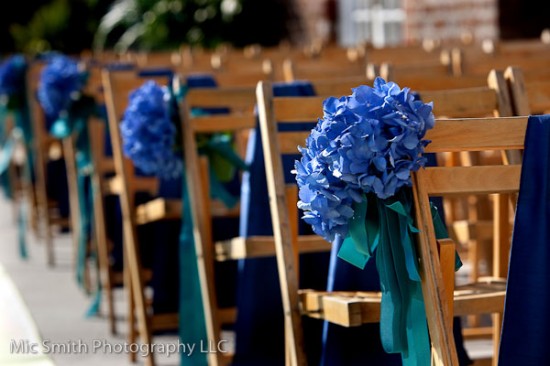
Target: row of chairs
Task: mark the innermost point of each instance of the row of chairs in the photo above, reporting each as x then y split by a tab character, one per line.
206	248
116	86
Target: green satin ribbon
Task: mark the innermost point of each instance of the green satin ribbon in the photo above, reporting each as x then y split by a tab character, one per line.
388	226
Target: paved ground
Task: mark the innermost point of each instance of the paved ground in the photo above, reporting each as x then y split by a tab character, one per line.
58	305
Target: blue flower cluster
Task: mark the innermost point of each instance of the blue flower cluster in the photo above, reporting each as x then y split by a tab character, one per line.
368	142
12	76
148	133
61	82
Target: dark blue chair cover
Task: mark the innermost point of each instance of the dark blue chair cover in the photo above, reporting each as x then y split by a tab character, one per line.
259	328
57	185
526	322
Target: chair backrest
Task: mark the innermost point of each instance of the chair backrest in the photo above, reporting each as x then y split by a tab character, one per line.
285	110
238	120
475	134
528	96
321	68
479	101
472	63
117	86
278	143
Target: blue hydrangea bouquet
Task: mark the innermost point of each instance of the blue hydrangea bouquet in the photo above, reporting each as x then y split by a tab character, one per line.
61	94
68	106
354	179
151	137
149	130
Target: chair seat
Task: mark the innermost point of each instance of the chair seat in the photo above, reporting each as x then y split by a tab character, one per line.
114	185
350	309
264	246
158	209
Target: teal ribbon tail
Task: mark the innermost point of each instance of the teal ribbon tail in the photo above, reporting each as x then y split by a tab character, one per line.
22	231
93	309
391	309
23	133
192	327
6	154
403	324
83	167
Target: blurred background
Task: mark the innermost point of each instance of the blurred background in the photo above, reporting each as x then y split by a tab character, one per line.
73	26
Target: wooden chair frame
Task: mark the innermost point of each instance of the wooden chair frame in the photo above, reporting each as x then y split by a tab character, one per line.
117	85
435	283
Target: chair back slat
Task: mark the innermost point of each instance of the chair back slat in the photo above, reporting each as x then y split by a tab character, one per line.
470	134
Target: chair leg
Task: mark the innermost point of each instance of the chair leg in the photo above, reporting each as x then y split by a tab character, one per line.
132	334
110	303
50	257
100	231
497	328
137	290
44	210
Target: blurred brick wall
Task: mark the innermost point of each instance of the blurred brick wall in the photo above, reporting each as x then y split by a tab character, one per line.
426	19
450	19
318	19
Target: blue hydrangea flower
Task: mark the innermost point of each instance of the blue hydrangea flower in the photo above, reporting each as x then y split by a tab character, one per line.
60	83
12	75
148	133
367	142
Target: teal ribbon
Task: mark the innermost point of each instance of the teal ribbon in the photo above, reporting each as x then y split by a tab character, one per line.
75	124
192	327
21	133
364	235
388	226
224	163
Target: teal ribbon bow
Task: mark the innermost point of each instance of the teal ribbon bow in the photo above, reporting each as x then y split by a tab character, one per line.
387	226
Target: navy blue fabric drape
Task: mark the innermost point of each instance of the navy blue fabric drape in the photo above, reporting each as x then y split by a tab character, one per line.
259	328
526	322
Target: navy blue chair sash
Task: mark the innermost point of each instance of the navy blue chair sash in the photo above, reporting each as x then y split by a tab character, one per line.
526	321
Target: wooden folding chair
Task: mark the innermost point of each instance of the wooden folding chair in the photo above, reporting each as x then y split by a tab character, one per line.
239	120
46	148
353	309
117	86
103	168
